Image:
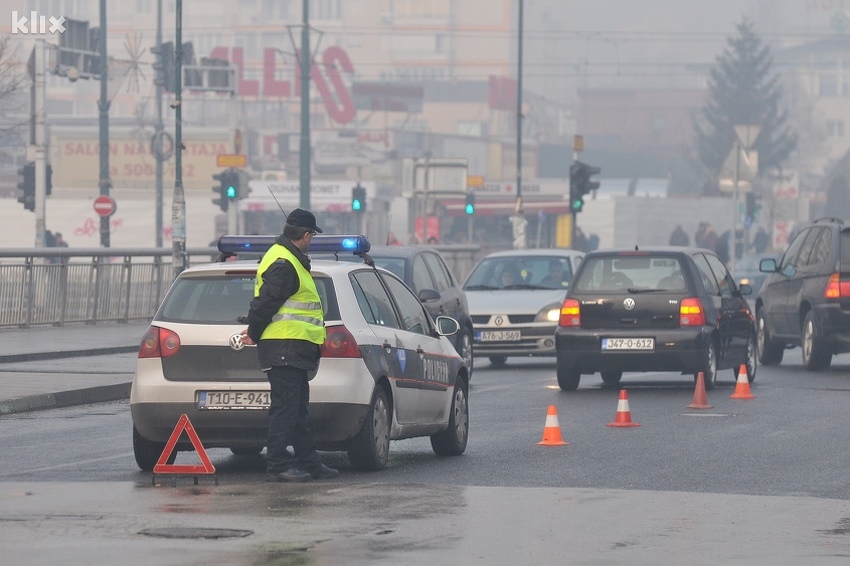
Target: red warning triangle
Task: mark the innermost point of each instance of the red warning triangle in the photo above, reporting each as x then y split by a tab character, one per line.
163	467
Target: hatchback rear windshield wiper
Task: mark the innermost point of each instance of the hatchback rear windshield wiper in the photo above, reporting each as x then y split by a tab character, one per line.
646	290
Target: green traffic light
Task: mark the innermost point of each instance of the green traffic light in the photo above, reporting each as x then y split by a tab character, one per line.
470	208
577	205
356	204
231	192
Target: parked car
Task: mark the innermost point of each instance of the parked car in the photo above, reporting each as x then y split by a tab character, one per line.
388	370
747	269
515	298
805	300
654	309
426	273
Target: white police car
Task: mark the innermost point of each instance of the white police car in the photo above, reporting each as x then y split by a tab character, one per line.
388	370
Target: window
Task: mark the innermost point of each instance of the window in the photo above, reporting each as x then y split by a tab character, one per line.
820	253
413	314
724	279
807	247
789	260
421	275
438	271
373	300
707	276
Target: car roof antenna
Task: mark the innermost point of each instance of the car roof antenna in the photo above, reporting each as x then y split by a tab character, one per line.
285	215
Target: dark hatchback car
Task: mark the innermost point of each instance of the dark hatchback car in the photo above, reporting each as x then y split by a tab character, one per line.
424	270
654	309
805	300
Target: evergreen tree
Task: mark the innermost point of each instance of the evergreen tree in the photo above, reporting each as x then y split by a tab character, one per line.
743	90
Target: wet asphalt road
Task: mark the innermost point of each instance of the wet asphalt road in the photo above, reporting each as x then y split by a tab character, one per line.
749	482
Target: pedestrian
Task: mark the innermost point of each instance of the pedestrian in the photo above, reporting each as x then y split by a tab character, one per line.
679	237
58	242
710	239
699	235
286	322
761	240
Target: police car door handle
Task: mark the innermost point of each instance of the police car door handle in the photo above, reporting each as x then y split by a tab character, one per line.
420	351
387	346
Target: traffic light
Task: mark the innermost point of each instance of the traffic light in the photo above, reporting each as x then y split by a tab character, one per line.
470	203
164	66
358	199
227	188
27	185
581	183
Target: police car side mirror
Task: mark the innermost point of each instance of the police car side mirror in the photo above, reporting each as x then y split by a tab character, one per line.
447	326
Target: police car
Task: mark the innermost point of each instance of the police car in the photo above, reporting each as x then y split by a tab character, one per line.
388	370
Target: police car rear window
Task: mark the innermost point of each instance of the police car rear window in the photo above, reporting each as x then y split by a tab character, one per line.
225	299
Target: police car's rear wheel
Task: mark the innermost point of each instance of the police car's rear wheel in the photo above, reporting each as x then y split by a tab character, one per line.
452	441
370	448
148	452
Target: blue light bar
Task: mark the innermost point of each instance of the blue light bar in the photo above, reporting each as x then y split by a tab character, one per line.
259	244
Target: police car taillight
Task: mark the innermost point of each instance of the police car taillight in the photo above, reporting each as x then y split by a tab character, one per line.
159	343
327	243
339	343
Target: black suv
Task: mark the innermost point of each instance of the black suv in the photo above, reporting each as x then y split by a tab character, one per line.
805	300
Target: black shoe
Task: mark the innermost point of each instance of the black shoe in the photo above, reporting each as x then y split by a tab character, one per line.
290	475
323	472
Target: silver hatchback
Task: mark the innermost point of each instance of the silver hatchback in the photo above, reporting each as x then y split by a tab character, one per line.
515	299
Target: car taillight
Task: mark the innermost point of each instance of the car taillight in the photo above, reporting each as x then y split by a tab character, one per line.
159	343
570	313
836	287
691	312
339	343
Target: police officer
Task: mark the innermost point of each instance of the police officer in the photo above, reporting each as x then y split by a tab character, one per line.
285	320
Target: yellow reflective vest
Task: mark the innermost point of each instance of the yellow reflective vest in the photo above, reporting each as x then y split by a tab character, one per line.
301	316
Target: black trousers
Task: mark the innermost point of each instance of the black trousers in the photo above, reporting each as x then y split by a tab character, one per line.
290	396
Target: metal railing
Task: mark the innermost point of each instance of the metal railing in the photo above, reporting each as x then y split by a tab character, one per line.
59	286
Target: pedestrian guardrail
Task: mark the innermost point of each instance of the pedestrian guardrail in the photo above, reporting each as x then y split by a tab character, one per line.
59	286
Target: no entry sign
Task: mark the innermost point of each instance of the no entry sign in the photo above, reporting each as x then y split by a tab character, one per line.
105	205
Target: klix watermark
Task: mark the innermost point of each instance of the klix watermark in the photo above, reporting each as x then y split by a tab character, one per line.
36	24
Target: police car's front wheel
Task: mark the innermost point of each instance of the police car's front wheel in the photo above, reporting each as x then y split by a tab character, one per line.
452	441
370	448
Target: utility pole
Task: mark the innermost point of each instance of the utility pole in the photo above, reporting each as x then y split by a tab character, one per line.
304	156
103	115
178	205
38	138
519	222
158	133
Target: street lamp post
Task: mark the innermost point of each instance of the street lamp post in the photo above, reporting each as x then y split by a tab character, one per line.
103	123
519	220
304	158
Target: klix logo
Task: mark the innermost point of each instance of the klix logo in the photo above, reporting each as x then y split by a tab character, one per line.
36	23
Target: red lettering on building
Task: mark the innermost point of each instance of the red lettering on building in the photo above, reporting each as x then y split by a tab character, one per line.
327	78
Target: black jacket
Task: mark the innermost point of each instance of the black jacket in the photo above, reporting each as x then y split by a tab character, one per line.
280	281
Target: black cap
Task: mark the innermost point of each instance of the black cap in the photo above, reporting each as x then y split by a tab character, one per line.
304	219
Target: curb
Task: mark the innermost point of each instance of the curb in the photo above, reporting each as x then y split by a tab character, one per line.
99	394
39	356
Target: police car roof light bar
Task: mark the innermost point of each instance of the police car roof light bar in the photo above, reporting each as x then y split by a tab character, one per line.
258	244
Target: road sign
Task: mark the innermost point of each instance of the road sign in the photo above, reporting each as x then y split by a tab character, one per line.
231	160
475	180
104	206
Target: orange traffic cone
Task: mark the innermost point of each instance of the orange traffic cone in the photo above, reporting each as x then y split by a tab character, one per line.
742	386
551	430
624	415
700	400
